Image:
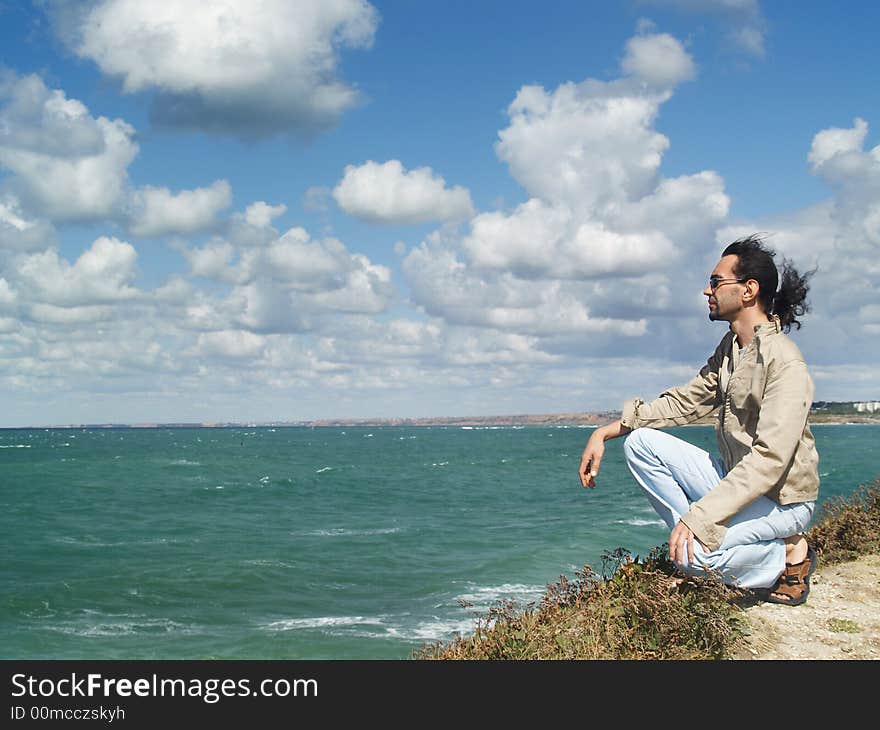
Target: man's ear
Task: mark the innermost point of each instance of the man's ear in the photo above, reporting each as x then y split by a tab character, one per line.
750	293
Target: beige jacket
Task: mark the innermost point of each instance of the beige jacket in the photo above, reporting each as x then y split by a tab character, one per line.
762	396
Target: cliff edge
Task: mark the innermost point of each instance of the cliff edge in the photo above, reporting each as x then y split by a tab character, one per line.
840	619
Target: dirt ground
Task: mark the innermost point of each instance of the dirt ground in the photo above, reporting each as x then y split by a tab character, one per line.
840	620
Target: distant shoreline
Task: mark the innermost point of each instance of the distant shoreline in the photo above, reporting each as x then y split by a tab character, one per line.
554	419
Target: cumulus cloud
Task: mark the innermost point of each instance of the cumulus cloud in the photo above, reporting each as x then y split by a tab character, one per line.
541	241
18	233
247	67
235	344
289	284
261	214
387	193
102	274
592	145
449	289
838	157
599	210
158	212
64	163
839	239
659	60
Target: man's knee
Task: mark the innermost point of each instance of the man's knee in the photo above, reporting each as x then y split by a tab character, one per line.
636	443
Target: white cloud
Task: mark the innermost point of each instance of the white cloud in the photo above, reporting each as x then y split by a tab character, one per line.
449	289
590	146
235	344
22	234
65	164
292	283
742	19
839	238
243	66
540	241
159	212
591	251
213	260
659	60
837	156
101	275
387	193
262	214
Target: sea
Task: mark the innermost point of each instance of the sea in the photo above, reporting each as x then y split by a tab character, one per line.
298	543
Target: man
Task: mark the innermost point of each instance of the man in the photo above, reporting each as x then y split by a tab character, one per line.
740	517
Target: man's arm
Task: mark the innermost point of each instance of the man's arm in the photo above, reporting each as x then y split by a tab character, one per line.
683	404
591	459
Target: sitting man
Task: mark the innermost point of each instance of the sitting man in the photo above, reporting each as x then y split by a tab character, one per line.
740	517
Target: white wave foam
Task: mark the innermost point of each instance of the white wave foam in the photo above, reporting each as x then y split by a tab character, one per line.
338	531
184	462
636	522
323	469
263	563
322	622
483	595
126	627
15	446
78	542
433	630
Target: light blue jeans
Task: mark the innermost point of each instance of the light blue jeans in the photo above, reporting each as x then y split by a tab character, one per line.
673	473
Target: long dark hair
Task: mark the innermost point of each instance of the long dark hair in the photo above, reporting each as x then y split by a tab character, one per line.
755	260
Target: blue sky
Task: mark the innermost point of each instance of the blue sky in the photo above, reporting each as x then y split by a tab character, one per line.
277	211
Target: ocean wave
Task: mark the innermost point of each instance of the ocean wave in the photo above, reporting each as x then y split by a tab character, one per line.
486	595
343	531
94	543
436	629
322	622
184	462
323	469
378	627
126	626
263	563
637	522
15	446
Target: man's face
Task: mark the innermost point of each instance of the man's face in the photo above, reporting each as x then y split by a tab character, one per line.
725	299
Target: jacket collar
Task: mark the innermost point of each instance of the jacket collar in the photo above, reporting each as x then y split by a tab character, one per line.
774	326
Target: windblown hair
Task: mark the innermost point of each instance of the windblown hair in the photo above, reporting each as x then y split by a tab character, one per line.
755	261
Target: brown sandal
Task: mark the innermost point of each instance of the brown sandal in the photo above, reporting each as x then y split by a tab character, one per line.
793	586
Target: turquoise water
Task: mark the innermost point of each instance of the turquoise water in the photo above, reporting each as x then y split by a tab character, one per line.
299	543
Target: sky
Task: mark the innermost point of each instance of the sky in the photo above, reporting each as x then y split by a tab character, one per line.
275	210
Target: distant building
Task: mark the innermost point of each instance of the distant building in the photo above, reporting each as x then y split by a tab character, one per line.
871	406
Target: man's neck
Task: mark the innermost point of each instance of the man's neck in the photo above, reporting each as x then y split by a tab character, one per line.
744	326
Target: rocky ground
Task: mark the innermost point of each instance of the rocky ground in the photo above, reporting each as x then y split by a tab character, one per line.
840	620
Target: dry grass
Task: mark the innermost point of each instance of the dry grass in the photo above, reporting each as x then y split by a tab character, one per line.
640	610
847	528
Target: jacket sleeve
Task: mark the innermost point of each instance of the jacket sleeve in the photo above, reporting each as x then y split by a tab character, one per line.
682	405
784	411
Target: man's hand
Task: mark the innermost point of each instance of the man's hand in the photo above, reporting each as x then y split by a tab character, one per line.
681	544
591	459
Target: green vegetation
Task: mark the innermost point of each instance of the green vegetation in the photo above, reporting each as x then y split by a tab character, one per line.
843	626
641	610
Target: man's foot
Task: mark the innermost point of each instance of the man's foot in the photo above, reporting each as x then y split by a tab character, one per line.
793	586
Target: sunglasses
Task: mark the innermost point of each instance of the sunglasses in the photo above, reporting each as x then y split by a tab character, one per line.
715	281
